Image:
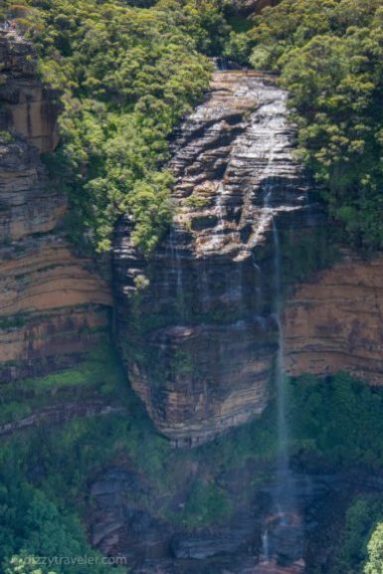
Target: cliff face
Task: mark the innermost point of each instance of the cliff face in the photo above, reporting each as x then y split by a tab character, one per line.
334	322
52	304
196	320
28	107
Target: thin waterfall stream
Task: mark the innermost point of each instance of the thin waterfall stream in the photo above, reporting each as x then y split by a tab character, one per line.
237	195
283	528
283	470
282	535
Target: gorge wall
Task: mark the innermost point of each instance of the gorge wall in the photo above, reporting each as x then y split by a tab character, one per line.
196	319
196	322
199	324
52	303
334	321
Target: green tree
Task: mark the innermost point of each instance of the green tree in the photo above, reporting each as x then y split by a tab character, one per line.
374	564
329	54
25	565
128	74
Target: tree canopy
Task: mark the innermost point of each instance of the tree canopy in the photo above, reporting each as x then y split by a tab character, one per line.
374	564
127	75
330	57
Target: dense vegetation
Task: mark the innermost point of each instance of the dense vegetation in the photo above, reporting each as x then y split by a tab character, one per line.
128	75
337	427
129	71
45	473
36	523
336	421
330	57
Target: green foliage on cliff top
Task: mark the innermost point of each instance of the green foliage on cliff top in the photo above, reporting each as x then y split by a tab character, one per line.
330	56
128	75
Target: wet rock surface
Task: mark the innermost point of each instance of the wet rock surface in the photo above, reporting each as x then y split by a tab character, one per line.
200	326
122	524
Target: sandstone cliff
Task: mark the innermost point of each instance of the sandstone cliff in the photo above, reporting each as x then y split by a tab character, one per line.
52	303
196	320
334	322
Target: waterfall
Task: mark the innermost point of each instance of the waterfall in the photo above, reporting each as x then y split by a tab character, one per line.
285	496
265	546
282	535
222	310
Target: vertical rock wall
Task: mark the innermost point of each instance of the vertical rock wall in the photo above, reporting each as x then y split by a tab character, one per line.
53	305
334	321
196	319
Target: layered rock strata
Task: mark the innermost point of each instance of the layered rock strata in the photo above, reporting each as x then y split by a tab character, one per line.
334	322
58	415
196	319
52	303
28	107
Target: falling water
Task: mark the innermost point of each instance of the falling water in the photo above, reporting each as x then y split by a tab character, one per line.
220	209
204	287
259	164
265	546
282	535
284	484
284	520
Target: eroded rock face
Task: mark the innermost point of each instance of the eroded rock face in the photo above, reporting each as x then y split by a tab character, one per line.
28	108
52	303
129	517
334	322
196	319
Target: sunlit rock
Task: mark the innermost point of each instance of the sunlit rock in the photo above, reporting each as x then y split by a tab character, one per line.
199	336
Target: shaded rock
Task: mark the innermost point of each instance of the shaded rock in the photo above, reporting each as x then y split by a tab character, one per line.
198	335
119	525
208	544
